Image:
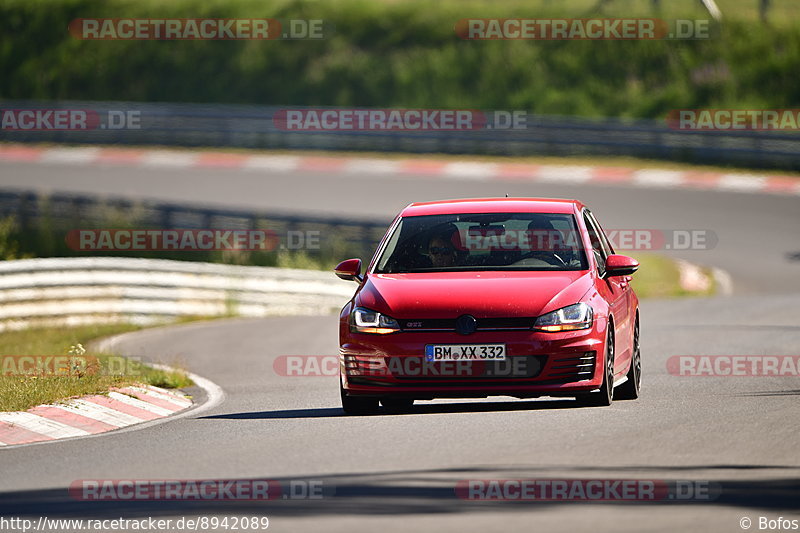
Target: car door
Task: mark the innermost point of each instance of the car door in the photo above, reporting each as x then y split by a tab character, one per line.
614	290
625	342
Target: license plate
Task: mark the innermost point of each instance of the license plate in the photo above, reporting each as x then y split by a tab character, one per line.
465	352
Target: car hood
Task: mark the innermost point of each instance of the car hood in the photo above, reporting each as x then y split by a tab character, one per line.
485	294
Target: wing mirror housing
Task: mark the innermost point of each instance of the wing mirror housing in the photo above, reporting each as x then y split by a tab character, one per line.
349	270
620	265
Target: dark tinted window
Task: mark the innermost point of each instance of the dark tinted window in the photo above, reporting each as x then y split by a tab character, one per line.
597	244
607	248
481	241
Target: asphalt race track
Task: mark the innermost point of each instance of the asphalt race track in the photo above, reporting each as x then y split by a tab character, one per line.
735	436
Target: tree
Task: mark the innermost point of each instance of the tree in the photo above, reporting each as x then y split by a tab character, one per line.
763	8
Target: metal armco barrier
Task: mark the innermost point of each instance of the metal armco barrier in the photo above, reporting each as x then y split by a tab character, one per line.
75	291
254	127
51	217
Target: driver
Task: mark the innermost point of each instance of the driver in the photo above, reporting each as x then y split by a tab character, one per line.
441	251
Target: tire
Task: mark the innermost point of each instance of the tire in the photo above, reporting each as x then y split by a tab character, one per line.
630	389
605	396
397	405
354	405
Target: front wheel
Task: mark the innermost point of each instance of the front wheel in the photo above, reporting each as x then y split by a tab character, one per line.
630	389
354	405
605	395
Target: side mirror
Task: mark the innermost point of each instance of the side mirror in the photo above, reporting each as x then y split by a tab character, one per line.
621	265
349	270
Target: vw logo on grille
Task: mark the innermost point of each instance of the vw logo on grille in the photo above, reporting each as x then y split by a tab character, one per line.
466	324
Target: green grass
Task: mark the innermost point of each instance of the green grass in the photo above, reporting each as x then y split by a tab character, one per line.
658	277
18	393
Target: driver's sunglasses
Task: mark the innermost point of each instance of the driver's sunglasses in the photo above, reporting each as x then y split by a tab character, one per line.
440	250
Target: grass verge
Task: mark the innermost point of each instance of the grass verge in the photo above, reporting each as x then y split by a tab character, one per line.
21	392
659	277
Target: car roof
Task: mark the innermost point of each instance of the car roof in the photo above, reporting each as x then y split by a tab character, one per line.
492	205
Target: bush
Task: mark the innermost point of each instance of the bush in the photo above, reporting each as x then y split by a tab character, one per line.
392	54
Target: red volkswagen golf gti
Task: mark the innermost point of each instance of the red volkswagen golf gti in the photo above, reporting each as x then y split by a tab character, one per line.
519	297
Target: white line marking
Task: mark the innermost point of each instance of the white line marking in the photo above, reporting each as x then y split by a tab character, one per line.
168	392
171	159
98	412
658	178
180	402
69	155
723	280
372	166
564	174
741	182
134	402
473	171
42	425
282	163
691	277
214	392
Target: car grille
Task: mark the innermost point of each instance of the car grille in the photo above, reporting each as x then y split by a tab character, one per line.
515	367
572	367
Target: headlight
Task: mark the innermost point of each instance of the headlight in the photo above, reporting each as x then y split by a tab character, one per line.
578	316
365	320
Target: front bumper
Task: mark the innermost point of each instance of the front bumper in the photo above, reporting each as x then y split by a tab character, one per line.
537	364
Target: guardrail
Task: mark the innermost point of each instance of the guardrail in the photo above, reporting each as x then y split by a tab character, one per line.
255	127
45	220
74	291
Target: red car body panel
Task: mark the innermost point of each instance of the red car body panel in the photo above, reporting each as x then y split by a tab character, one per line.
515	296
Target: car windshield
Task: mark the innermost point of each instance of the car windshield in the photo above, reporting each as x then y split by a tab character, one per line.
483	241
